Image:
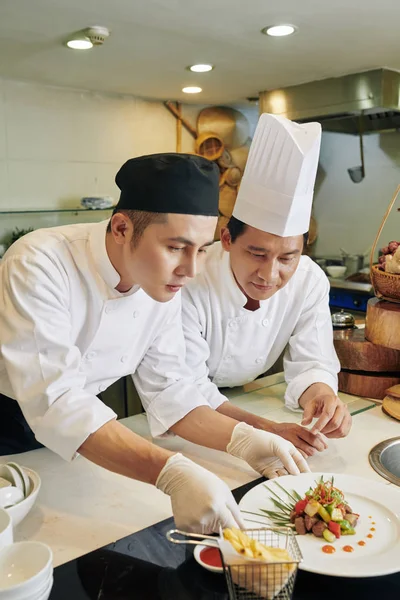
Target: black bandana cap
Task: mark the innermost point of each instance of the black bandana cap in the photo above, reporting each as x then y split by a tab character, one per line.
169	183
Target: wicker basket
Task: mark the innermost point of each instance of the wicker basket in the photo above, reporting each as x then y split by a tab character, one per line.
386	285
209	145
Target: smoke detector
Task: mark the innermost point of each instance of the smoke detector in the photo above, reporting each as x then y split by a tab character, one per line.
97	34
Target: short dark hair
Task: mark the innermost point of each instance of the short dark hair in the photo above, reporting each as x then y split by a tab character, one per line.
237	228
141	219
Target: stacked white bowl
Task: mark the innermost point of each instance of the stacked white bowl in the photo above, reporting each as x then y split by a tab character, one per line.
26	568
26	571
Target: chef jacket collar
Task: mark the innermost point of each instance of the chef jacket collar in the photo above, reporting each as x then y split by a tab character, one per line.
101	259
235	294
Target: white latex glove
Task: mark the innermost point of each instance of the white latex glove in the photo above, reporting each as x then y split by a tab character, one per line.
256	447
201	502
274	468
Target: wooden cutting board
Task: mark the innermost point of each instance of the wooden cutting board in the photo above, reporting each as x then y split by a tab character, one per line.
367	385
383	323
358	354
392	407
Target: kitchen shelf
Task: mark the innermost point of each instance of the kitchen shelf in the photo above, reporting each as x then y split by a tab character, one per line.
55	210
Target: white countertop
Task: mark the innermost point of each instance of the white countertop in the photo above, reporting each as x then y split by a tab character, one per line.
82	507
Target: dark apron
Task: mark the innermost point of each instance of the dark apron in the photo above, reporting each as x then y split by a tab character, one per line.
15	434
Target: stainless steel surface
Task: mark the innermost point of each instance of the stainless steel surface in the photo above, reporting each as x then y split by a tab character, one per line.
338	102
342	320
351	285
385	459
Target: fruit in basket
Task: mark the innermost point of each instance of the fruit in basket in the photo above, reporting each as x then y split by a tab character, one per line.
387	254
392	263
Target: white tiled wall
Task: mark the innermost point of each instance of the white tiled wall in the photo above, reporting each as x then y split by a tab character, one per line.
58	145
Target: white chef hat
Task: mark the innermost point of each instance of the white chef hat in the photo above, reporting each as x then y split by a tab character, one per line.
276	190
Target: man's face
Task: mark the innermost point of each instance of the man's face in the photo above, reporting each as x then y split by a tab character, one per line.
166	256
262	263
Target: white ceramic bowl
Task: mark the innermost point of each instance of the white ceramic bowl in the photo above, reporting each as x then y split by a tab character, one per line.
19	511
26	569
336	270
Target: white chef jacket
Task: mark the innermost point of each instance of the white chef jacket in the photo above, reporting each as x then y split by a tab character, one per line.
67	334
227	345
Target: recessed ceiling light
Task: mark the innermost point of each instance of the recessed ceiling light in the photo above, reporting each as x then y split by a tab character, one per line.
80	44
201	68
192	90
279	30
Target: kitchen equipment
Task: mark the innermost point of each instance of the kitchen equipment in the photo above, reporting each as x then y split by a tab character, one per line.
18	512
356	353
353	262
383	323
385	459
391	407
209	145
6	530
357	174
10	496
249	578
366	385
336	270
26	571
342	320
228	123
386	285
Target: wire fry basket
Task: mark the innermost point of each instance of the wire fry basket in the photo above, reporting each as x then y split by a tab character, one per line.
264	580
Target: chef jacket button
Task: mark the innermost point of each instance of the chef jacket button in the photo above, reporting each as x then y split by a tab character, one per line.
124	358
232	324
229	357
108	309
135	314
265	322
102	387
259	360
90	355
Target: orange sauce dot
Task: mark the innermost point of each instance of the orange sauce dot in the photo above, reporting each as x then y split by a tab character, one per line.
369	517
373	523
370	535
348	548
328	549
372	529
362	543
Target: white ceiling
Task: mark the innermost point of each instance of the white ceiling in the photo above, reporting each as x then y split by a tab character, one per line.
152	41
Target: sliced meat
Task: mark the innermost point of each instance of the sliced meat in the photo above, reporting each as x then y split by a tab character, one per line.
352	519
319	528
310	522
293	516
300	525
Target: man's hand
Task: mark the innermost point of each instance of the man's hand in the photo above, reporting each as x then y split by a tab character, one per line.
305	440
319	401
201	502
258	447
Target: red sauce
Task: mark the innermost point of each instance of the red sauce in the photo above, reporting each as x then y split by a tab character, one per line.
328	549
372	529
211	556
370	535
348	548
362	543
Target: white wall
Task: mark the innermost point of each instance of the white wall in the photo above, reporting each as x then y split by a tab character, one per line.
58	145
349	214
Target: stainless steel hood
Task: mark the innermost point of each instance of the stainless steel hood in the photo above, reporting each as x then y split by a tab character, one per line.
338	102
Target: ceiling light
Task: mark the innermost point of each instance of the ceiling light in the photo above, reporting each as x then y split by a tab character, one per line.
201	68
89	37
81	43
279	30
192	90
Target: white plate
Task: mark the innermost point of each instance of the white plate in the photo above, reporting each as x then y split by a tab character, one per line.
196	553
372	501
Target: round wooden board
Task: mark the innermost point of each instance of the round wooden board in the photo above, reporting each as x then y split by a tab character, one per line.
366	385
358	354
383	323
391	407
